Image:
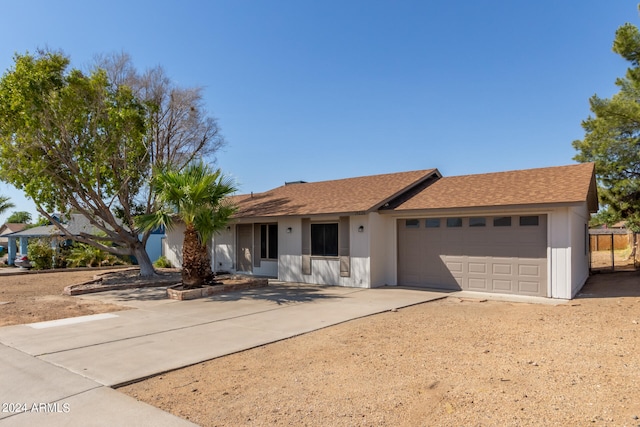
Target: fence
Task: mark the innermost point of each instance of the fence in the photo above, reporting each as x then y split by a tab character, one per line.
612	249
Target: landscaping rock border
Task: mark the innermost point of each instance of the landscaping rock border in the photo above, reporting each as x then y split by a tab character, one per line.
128	279
103	282
246	282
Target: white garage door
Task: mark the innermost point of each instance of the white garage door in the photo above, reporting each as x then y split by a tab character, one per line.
487	254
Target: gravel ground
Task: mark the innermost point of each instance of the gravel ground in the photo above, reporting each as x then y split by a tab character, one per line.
451	362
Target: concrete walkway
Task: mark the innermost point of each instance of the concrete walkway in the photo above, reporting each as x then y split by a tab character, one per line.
61	372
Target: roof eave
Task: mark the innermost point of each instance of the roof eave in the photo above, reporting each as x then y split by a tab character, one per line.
433	173
274	218
592	195
461	210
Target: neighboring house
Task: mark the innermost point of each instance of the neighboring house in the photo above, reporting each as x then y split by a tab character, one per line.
8	228
620	225
520	232
18	241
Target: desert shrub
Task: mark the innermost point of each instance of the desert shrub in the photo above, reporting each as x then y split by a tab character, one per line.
162	262
60	256
41	254
83	255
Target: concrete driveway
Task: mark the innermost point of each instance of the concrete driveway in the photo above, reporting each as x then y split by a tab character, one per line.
61	372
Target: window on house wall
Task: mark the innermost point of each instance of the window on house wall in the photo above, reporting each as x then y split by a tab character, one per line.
269	241
324	239
432	223
529	220
454	222
502	221
412	223
477	221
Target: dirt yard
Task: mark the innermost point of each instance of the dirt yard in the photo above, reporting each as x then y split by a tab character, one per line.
450	362
37	297
622	260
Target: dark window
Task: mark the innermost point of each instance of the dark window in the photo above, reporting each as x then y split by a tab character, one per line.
412	223
502	221
269	241
529	220
324	239
477	222
454	222
432	223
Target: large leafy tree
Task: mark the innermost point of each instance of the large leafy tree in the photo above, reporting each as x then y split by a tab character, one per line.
21	217
196	196
612	136
73	141
105	133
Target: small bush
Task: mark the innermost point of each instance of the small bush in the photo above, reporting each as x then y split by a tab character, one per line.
82	255
41	254
162	262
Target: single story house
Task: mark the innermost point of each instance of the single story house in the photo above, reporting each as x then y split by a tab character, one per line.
520	232
8	228
18	241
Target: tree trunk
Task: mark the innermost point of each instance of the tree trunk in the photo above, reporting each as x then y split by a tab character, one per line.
146	266
196	264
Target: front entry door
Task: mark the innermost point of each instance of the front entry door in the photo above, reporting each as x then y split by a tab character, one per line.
245	241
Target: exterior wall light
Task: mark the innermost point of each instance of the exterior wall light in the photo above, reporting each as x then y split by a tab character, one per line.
361	229
288	229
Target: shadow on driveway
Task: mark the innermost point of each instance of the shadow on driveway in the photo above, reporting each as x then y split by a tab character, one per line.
282	294
278	293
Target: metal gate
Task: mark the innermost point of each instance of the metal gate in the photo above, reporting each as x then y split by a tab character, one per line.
612	250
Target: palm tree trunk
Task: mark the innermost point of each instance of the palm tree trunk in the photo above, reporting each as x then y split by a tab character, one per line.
196	264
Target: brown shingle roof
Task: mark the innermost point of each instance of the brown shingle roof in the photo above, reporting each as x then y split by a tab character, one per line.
8	228
11	227
560	184
349	195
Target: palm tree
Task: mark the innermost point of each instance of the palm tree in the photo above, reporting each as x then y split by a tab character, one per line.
196	196
5	204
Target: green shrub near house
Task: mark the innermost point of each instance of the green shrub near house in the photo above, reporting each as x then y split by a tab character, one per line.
83	255
162	262
45	257
41	254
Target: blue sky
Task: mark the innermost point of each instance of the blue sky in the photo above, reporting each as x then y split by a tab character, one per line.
318	90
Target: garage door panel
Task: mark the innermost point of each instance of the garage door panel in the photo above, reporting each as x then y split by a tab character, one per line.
500	237
477	267
455	282
477	284
531	252
453	250
510	259
455	266
477	240
504	286
502	268
529	270
529	288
